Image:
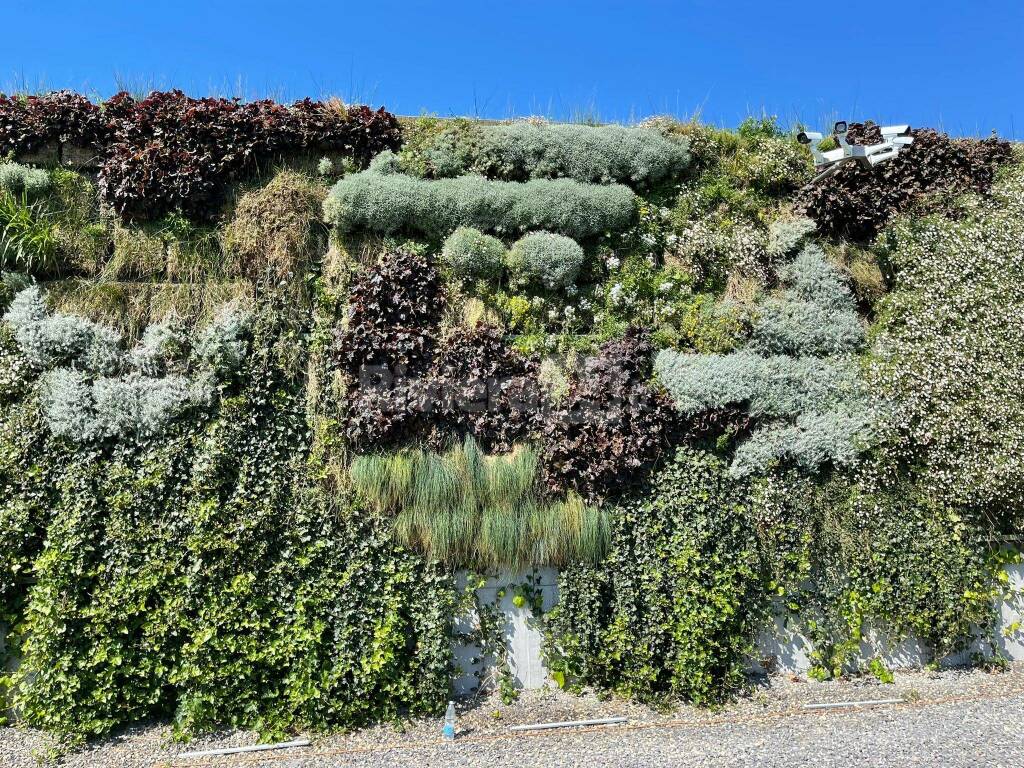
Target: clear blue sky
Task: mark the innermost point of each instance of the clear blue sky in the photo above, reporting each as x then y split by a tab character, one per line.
956	65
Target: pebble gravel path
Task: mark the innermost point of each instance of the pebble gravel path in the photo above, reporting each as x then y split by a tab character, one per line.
951	718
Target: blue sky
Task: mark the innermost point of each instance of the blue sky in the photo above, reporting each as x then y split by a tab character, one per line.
954	65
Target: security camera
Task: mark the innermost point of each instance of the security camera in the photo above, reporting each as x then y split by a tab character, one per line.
894	138
896	130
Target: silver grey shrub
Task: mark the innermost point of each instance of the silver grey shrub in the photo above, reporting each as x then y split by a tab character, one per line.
162	344
111	408
798	376
813	409
221	347
786	235
66	403
48	341
595	154
470	254
545	259
524	150
18	180
386	203
385	162
816	314
91	390
774	387
836	436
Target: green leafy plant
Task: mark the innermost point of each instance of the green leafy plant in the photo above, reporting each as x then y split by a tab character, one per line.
672	611
27	238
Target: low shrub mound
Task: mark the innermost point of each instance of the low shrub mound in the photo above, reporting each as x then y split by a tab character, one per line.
18	180
545	260
856	202
472	255
389	203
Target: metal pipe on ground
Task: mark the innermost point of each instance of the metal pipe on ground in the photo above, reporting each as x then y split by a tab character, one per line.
569	724
841	704
239	750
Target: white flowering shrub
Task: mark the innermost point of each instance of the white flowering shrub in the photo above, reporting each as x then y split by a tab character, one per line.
470	254
387	203
815	315
15	371
949	354
711	248
325	167
545	259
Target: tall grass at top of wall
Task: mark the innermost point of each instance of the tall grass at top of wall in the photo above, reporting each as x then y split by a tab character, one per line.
465	508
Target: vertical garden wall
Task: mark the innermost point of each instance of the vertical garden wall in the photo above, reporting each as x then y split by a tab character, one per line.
272	375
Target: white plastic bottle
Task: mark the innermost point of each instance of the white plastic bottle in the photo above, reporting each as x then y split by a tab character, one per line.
449	722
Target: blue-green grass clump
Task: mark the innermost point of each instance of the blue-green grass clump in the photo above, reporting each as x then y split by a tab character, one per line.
466	508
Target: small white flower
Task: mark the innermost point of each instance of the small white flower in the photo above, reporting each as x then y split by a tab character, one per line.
666	287
613	262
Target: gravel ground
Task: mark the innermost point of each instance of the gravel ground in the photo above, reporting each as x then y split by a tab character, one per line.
951	718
